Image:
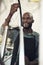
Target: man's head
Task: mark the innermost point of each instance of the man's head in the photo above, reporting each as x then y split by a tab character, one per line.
27	20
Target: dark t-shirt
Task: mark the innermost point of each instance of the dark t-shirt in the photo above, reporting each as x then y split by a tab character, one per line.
31	41
31	45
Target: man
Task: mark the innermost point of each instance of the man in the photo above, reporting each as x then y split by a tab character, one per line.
27	21
33	39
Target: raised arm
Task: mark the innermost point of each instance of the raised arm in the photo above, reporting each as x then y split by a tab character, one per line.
13	9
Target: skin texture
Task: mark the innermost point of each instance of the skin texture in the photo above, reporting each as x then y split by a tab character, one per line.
27	21
13	9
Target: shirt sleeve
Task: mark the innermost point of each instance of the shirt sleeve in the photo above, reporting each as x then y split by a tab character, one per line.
37	46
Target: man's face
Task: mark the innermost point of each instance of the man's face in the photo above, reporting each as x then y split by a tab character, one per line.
26	20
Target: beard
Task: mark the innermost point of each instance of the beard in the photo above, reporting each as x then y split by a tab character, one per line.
27	26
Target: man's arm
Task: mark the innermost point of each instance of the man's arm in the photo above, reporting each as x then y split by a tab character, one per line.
13	9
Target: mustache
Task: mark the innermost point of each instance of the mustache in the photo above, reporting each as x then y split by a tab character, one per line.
26	25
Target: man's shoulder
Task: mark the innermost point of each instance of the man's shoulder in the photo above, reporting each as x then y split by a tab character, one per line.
35	33
36	36
32	34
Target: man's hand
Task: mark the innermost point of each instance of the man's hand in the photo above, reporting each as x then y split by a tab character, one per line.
27	62
34	62
14	8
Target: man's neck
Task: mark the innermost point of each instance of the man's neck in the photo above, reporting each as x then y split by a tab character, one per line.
29	30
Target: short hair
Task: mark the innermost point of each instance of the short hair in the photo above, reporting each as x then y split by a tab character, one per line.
30	16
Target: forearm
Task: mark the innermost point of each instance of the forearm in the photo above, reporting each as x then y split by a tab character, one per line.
7	20
13	9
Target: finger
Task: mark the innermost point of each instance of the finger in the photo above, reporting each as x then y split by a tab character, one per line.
15	5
